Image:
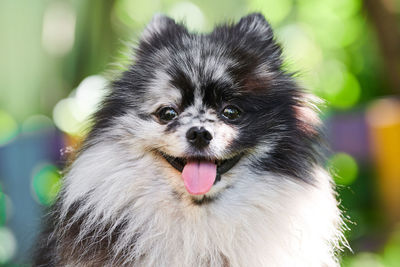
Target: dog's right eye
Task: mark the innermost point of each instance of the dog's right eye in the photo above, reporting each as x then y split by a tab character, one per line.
167	114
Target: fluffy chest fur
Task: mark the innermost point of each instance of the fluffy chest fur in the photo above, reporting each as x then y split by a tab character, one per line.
260	221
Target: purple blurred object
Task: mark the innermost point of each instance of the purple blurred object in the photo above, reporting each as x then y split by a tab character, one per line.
347	132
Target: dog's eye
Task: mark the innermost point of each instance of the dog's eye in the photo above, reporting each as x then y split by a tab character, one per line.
167	114
231	112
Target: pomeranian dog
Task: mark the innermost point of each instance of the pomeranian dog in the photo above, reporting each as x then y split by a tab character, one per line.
205	153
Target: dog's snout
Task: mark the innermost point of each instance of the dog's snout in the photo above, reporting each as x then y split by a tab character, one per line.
198	137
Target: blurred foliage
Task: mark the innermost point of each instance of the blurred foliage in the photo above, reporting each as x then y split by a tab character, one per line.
56	54
46	184
388	257
344	168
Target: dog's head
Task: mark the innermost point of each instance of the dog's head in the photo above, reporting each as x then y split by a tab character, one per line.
201	103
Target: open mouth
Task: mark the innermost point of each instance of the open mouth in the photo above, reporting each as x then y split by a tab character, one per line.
200	174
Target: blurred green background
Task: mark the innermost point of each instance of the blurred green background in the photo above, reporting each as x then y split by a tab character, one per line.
56	57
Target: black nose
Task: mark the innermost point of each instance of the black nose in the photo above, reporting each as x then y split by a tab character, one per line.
199	137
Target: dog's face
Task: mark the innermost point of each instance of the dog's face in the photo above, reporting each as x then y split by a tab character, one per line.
202	103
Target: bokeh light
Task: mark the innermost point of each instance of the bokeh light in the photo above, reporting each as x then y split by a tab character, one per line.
6	208
37	123
300	50
58	32
353	32
3	208
333	22
63	116
349	93
190	14
344	168
46	183
391	252
136	12
71	114
337	85
88	96
364	259
8	128
8	245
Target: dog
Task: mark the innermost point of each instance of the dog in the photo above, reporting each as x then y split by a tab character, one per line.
206	152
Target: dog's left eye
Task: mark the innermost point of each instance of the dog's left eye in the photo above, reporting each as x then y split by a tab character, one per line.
167	114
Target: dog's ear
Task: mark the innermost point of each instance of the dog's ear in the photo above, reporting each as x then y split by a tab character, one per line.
256	35
160	25
255	25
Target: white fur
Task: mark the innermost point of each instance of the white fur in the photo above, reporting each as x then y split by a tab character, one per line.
258	221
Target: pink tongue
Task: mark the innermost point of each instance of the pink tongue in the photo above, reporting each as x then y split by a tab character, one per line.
199	176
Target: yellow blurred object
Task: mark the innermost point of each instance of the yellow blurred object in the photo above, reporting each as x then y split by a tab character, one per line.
383	119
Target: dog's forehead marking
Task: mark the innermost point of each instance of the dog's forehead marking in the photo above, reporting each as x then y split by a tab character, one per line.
212	62
200	64
198	100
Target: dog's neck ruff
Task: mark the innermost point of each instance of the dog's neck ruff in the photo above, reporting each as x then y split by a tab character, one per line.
261	220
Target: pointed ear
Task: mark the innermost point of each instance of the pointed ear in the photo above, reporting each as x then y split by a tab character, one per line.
256	25
158	25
